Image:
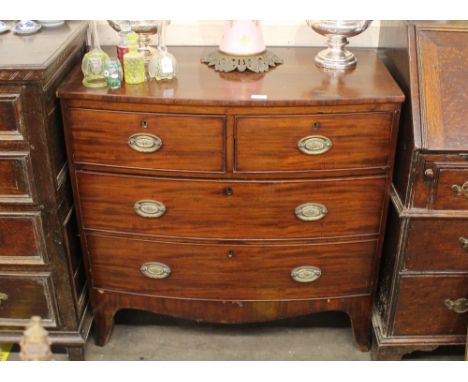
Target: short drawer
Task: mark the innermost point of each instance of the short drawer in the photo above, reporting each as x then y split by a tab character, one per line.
437	245
12	127
234	272
232	210
430	305
149	141
15	178
25	295
451	191
312	142
22	238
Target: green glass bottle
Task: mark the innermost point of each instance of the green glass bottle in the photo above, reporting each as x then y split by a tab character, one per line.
134	62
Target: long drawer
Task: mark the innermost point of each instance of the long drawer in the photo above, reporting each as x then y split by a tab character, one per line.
24	295
149	141
425	306
232	210
447	250
240	272
312	142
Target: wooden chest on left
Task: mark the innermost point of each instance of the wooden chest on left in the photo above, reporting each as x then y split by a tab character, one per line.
41	270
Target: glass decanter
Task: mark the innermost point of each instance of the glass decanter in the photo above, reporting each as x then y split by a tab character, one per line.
163	65
92	64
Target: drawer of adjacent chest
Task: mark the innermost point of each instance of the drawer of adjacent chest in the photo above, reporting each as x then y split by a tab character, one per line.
149	141
437	245
238	272
432	305
232	210
23	296
451	189
312	142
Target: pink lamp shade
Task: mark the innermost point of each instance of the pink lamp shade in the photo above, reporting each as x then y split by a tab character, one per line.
242	38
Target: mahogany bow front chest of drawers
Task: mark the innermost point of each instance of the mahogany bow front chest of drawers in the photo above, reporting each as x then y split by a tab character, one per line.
198	200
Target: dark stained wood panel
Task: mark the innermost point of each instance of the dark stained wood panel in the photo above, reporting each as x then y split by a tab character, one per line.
21	238
452	189
11	121
27	295
255	210
231	271
15	178
421	310
443	69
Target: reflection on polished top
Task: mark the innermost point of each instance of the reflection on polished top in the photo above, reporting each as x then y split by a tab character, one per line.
297	82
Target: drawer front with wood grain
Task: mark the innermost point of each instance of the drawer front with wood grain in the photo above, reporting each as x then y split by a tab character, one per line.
12	126
432	305
312	142
22	238
452	189
15	178
24	295
232	210
240	272
163	142
437	245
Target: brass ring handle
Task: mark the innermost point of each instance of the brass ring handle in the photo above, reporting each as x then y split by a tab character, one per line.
461	190
155	270
151	209
464	243
459	306
306	274
144	143
315	145
3	297
310	212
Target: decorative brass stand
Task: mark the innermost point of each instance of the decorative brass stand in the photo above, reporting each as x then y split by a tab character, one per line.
257	63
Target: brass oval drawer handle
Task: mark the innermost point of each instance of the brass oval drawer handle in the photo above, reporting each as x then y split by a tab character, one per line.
459	306
144	143
461	190
315	145
464	243
3	297
311	212
151	209
155	270
306	274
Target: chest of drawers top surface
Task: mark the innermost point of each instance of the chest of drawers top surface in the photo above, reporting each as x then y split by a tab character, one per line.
297	82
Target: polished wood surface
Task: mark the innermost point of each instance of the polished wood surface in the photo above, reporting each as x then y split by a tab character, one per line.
41	269
298	82
231	272
270	144
424	261
189	143
231	177
255	210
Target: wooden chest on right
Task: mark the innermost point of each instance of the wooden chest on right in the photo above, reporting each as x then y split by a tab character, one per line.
423	294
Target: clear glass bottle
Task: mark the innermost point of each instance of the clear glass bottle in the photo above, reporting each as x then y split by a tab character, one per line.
92	64
163	65
134	62
122	47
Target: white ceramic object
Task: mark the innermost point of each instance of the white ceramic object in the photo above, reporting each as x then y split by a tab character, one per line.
26	27
51	23
4	27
